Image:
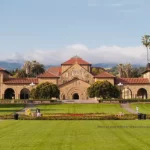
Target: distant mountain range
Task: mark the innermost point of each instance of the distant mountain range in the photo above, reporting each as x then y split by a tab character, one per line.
13	65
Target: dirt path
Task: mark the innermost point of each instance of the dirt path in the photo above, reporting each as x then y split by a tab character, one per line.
127	107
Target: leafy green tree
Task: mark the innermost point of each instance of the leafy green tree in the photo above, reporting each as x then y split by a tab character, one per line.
97	70
37	68
45	91
33	68
103	89
20	74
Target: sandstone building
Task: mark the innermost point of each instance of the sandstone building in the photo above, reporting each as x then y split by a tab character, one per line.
73	78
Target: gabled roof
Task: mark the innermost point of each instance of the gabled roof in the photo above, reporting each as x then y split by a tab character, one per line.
132	80
74	60
47	75
21	81
55	70
104	75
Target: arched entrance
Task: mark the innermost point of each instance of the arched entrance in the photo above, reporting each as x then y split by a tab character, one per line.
127	93
9	94
75	96
24	94
142	93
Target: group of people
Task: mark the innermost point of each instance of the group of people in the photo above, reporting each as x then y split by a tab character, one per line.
37	112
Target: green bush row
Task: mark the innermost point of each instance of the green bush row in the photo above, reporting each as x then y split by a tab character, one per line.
125	100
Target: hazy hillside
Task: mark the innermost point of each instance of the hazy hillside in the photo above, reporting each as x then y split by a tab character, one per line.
14	65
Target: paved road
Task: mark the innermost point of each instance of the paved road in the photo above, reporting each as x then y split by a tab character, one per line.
30	106
127	107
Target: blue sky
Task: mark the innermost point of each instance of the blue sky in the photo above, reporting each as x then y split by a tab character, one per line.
36	29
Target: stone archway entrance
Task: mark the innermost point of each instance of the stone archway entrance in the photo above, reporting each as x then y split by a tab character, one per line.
75	96
9	94
142	93
24	94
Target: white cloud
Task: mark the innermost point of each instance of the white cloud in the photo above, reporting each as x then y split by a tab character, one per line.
102	54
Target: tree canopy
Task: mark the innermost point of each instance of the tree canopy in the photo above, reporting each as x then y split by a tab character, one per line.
29	69
127	71
103	89
45	90
97	70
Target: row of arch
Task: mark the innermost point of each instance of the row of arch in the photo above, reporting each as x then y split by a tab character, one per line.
141	93
10	93
126	94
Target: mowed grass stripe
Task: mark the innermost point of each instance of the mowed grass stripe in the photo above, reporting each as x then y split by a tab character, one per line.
82	108
72	135
10	108
143	107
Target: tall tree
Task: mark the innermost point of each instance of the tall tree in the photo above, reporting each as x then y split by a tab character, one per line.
27	67
146	43
103	89
37	68
20	74
45	90
33	68
120	69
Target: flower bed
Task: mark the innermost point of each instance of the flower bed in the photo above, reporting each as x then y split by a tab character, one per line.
76	117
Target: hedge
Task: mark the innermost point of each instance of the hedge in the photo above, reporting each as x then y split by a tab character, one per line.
76	117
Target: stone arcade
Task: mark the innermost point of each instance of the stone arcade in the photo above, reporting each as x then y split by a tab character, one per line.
73	78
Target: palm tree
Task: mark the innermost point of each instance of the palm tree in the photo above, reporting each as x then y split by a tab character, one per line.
146	43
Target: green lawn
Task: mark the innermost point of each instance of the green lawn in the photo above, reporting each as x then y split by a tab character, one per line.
74	135
10	108
143	107
81	108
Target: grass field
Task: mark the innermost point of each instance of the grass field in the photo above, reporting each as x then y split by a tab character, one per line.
82	108
10	108
143	107
74	135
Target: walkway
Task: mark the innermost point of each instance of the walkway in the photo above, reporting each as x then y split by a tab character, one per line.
127	107
28	106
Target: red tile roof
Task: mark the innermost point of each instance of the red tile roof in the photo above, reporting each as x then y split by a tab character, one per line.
47	75
74	60
104	75
21	81
132	80
2	69
55	70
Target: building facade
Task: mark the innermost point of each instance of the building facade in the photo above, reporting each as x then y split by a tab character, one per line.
73	78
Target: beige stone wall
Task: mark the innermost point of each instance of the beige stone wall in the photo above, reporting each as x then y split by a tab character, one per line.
76	71
76	86
51	80
146	75
134	89
87	67
111	80
65	67
17	89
